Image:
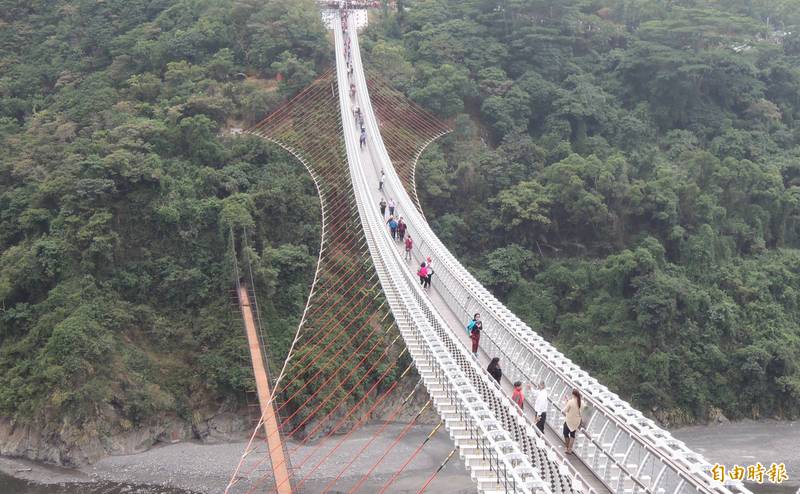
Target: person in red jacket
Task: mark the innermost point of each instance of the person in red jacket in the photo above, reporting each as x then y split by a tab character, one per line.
409	245
517	395
401	228
422	273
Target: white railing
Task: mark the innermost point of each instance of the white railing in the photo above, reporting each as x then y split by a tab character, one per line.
416	319
624	449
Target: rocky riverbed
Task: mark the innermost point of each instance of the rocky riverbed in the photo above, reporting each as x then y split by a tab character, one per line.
189	467
207	468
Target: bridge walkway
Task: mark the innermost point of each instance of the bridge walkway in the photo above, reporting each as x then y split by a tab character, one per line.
457	322
626	450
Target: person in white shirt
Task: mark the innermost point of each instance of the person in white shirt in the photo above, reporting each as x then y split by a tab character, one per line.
540	406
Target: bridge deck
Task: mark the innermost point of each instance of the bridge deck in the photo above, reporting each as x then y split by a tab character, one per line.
457	322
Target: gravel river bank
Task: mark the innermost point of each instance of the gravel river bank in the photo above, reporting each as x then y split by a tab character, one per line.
202	468
188	468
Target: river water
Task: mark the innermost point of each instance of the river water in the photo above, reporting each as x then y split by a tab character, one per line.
749	442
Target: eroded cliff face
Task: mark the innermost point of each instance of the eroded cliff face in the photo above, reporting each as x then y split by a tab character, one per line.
68	445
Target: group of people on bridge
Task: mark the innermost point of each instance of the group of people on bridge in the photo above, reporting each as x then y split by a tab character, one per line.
348	55
571	408
398	230
345	5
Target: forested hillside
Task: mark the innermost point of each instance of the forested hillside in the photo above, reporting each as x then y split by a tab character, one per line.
625	174
118	190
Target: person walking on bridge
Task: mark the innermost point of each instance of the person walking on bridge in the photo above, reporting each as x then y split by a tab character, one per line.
475	336
422	272
517	396
430	273
572	420
382	204
401	229
409	245
494	369
392	226
391	206
363	138
381	180
475	321
540	406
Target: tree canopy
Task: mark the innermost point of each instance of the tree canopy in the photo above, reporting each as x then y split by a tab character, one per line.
624	174
119	186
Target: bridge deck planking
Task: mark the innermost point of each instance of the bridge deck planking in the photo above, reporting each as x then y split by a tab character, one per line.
457	322
502	463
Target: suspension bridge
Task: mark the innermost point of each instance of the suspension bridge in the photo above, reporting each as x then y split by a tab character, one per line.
371	337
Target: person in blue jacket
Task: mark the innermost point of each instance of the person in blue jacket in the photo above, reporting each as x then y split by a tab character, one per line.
392	226
473	323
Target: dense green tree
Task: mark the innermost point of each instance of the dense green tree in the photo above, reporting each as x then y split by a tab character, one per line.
627	177
119	188
444	89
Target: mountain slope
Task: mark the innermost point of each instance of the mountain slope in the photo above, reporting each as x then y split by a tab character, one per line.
119	186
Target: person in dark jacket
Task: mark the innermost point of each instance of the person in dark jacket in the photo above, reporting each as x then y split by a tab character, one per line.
494	369
401	229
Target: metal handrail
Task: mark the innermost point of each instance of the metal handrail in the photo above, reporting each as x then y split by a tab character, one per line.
599	407
402	292
508	358
496	310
